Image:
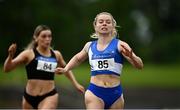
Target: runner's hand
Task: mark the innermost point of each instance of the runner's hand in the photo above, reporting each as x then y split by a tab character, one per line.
60	70
80	88
12	50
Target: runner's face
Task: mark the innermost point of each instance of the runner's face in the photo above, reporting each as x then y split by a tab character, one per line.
44	39
104	24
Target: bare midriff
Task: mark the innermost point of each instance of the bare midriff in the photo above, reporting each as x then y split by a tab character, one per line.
105	80
36	87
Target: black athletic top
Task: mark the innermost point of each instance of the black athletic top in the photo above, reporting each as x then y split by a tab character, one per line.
42	67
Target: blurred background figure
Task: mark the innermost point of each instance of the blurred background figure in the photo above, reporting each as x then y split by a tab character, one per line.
41	62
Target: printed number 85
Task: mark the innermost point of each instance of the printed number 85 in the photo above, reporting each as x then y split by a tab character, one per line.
103	64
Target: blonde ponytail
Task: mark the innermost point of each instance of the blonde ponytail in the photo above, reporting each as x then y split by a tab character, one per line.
32	44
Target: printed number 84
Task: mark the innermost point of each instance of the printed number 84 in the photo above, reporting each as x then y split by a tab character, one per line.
46	66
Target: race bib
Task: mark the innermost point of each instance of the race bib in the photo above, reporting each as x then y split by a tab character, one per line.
46	66
103	64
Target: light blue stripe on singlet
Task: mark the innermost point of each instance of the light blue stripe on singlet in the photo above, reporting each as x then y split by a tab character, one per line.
48	59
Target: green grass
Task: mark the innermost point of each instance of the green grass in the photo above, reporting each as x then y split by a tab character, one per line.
166	76
15	77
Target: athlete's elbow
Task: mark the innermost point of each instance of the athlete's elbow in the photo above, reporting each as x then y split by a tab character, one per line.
6	70
140	66
78	59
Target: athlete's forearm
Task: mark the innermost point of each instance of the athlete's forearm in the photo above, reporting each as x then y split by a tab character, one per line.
75	61
71	77
136	61
8	64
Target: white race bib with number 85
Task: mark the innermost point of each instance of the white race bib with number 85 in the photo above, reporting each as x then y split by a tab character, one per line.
103	64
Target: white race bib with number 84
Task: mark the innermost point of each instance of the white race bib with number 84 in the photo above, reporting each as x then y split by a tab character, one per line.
46	66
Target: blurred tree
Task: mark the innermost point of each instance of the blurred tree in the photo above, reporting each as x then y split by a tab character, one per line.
151	27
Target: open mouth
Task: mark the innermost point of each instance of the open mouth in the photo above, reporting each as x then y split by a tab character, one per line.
47	43
104	29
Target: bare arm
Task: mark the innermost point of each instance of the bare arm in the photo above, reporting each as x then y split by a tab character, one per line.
78	58
128	53
73	80
11	63
68	74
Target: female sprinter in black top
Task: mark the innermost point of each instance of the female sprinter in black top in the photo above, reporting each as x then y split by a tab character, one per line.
40	61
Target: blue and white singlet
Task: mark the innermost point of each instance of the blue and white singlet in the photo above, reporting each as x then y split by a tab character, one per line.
108	61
